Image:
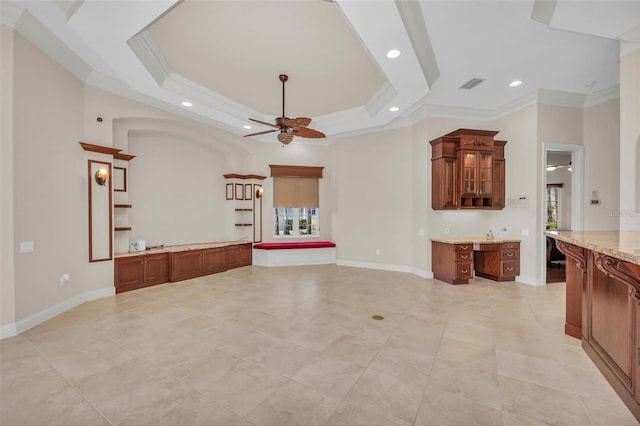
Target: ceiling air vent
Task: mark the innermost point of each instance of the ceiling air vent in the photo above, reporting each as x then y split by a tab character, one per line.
472	83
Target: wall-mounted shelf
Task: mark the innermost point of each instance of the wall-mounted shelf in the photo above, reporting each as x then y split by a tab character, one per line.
115	152
122	228
244	224
122	206
244	210
237	176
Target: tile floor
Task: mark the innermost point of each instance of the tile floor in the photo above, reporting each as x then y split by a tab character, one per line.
297	346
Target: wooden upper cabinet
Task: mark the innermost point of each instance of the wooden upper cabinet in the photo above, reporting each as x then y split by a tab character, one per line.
467	170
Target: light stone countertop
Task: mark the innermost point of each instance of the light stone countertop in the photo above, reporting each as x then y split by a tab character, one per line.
623	245
473	240
181	247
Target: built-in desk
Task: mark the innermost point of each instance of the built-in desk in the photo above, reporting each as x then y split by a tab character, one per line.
454	260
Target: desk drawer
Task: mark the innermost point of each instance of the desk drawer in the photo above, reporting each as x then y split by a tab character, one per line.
510	254
510	246
510	268
464	256
464	270
463	247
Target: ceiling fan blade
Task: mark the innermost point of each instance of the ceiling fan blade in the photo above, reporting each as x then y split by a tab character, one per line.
308	133
297	123
285	138
264	122
261	133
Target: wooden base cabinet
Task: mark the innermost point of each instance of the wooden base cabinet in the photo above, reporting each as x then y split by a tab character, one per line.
141	271
137	271
452	263
610	310
498	262
196	263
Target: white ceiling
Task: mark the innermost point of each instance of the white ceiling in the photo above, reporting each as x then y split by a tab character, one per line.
225	56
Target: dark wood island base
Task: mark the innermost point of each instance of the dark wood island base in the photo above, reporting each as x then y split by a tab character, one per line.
603	304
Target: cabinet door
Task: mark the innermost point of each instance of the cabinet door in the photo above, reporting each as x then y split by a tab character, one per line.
469	173
156	269
498	184
213	260
443	184
129	273
186	264
244	255
485	174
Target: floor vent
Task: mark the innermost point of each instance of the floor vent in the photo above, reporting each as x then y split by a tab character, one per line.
472	83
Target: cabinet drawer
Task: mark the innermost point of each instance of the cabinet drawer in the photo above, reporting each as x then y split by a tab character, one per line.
510	246
463	247
510	254
464	256
464	270
510	268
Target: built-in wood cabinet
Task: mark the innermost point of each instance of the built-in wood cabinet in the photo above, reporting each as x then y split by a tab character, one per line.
498	262
603	308
467	170
456	261
196	263
452	263
141	271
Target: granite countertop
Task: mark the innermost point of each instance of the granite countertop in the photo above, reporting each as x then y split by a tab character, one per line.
623	245
473	240
181	247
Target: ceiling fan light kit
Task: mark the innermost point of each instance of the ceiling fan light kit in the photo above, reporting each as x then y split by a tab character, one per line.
288	127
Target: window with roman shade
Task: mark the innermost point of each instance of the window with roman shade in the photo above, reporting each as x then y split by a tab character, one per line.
296	200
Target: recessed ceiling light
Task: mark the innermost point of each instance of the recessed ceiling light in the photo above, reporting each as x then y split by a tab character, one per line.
394	109
186	103
515	83
246	126
393	53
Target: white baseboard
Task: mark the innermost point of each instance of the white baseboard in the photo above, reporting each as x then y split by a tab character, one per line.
8	330
31	321
529	281
422	273
371	265
294	257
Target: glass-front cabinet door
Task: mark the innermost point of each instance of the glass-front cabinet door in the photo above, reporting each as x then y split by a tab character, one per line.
486	174
469	171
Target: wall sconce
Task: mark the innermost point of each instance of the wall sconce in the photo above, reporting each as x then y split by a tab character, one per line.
101	176
259	192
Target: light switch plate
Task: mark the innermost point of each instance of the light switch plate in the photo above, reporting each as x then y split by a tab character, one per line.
26	247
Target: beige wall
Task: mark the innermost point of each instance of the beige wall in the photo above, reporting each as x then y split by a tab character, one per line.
602	165
373	207
523	179
630	136
7	287
50	181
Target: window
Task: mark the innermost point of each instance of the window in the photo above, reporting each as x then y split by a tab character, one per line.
553	205
293	187
296	222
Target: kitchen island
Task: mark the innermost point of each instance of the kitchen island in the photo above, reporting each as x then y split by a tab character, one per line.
603	303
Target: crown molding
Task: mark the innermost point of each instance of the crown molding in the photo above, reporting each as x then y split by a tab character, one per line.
10	13
604	95
557	98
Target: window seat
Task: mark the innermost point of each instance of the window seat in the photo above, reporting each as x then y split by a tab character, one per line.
294	253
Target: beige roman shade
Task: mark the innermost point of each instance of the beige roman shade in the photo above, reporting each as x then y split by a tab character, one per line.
295	186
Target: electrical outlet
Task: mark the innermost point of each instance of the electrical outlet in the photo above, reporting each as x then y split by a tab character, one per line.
377	252
446	230
504	231
64	279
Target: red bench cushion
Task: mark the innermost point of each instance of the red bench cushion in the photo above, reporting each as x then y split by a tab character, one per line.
294	245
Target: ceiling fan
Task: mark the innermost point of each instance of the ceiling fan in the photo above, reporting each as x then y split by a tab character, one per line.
288	127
